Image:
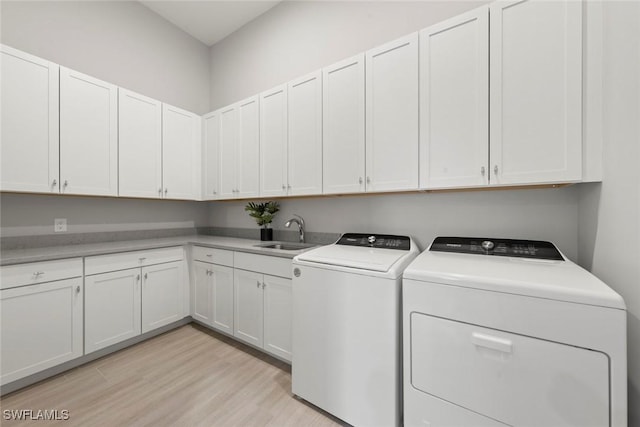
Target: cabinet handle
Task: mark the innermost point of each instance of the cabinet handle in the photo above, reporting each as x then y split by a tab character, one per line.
37	274
166	190
78	289
482	171
368	180
283	187
289	187
160	192
54	183
138	278
264	285
215	192
495	169
208	272
209	255
258	284
64	186
141	259
145	276
360	180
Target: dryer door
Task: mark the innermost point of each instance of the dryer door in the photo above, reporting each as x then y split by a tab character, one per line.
511	378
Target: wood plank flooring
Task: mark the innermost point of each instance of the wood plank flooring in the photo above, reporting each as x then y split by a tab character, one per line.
186	377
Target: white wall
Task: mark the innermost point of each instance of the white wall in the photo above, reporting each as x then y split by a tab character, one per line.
609	219
297	37
121	42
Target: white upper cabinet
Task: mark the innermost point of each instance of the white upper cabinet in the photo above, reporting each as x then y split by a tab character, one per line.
211	151
535	92
88	135
181	132
239	153
304	172
392	115
273	142
248	148
343	147
228	150
29	116
140	145
454	102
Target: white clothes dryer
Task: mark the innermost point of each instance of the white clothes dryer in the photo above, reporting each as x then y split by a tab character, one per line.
509	332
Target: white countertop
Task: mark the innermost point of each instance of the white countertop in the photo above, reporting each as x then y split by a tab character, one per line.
19	256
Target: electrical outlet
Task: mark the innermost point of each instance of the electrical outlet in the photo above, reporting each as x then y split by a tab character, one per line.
60	225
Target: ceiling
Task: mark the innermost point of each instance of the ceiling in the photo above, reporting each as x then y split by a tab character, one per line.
209	21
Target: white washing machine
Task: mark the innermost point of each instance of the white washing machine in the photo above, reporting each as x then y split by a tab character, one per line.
509	332
346	327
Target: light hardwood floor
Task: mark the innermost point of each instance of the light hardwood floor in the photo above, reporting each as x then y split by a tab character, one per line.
186	377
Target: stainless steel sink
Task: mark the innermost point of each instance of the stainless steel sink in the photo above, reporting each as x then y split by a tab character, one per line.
285	246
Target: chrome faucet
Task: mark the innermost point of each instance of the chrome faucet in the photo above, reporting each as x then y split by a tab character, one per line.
300	222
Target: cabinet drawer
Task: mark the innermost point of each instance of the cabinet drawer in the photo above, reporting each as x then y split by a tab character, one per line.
274	266
39	272
213	256
125	260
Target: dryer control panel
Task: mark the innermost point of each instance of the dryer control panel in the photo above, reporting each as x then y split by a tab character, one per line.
379	241
497	247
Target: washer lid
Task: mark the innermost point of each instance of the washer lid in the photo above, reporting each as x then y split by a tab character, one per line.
557	280
364	258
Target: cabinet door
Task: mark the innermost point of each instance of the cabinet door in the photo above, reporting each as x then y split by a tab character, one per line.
222	298
248	149
88	135
41	327
211	161
29	115
343	127
304	174
277	316
162	291
273	142
112	308
139	146
536	92
392	115
180	153
202	293
228	143
454	102
248	313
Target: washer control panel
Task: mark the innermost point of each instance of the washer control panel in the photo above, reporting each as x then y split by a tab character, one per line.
497	247
380	241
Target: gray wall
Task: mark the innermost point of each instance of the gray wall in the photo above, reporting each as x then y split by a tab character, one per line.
545	214
298	37
595	224
609	219
121	42
33	214
124	43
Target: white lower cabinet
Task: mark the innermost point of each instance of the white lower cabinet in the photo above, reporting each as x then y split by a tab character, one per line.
212	291
41	320
112	308
132	293
162	292
262	314
248	312
277	316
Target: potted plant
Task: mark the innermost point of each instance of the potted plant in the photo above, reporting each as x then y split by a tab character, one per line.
263	214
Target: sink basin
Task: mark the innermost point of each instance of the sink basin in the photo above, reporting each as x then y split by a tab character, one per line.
285	246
